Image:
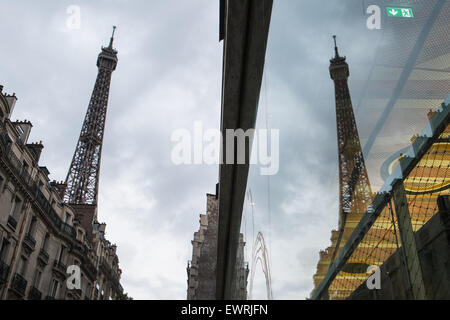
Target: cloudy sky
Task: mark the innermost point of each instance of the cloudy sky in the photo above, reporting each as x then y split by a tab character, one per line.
168	77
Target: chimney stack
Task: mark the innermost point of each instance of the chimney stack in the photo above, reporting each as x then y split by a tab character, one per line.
60	186
24	128
36	150
11	99
102	227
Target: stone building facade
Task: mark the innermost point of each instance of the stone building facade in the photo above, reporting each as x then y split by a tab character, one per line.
201	269
40	235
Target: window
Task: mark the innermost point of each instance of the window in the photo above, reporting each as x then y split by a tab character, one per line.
67	218
16	207
19	130
37	279
88	290
25	167
62	252
22	267
2	181
32	227
45	242
54	289
4	250
80	235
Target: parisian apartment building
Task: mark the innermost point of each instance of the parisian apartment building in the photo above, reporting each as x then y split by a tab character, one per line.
41	236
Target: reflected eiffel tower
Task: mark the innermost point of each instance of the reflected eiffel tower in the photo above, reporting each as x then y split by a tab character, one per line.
355	194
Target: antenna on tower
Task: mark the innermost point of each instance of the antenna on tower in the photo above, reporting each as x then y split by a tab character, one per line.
335	47
112	37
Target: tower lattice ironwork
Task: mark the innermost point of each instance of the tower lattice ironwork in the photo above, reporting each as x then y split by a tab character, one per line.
355	193
83	177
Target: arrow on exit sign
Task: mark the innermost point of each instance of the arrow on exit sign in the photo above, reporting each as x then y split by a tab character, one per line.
400	12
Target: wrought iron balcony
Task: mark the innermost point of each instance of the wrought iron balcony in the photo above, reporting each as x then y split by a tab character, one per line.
4	268
4	138
12	222
109	270
29	241
58	266
34	294
43	256
19	284
90	267
34	189
105	265
68	229
77	294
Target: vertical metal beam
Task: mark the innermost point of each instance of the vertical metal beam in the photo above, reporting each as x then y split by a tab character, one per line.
408	240
222	16
246	32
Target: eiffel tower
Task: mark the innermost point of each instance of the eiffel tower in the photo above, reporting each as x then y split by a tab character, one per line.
81	185
355	193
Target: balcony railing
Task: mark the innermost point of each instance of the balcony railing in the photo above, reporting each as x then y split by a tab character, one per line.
59	267
43	256
110	271
90	267
12	222
19	284
4	138
4	268
34	294
77	293
29	241
33	187
68	229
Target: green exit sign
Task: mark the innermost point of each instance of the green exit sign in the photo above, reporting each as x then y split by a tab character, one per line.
400	12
